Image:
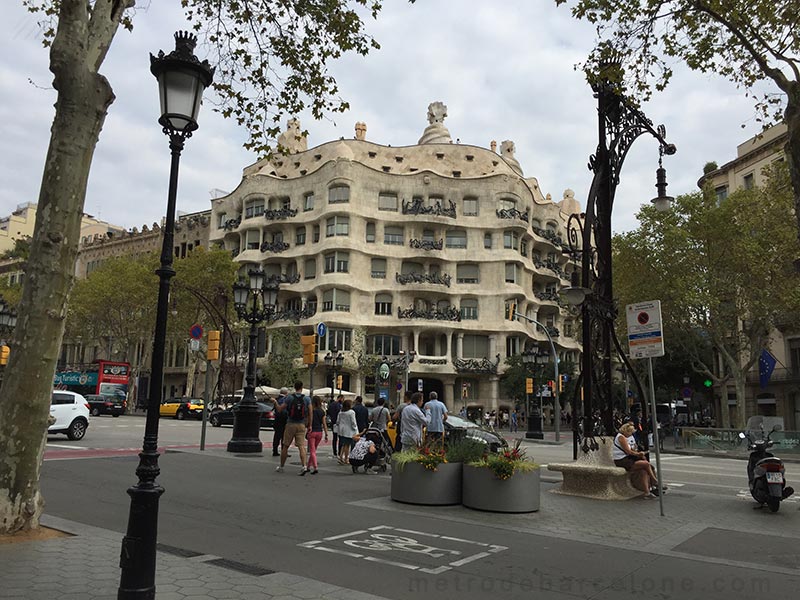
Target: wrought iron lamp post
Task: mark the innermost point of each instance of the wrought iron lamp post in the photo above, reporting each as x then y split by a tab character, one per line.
589	237
334	361
532	359
182	78
255	302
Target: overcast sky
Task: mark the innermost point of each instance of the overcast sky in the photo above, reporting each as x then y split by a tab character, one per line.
504	73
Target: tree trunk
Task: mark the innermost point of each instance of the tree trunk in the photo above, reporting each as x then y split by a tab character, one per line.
83	100
792	150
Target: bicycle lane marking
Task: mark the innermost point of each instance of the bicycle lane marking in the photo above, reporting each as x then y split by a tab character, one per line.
392	546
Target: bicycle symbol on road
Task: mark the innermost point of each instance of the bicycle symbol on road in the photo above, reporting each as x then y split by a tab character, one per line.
383	542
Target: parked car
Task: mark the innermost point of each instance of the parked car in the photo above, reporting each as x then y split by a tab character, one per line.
181	408
475	432
71	413
224	416
105	405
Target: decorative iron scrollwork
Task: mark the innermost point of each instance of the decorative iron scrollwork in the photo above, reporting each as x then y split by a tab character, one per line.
294	314
275	247
426	244
433	361
435	278
433	314
417	207
277	214
512	213
476	365
231	224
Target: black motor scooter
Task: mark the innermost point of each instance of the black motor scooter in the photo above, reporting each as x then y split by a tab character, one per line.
766	474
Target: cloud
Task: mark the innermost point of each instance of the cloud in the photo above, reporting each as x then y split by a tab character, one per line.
504	73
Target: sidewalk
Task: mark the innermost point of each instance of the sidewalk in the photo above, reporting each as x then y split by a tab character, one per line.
85	566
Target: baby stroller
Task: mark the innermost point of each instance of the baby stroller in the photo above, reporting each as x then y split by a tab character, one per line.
383	451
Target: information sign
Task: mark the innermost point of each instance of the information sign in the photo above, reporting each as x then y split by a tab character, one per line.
645	338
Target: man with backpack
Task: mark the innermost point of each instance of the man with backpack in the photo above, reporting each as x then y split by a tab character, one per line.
298	421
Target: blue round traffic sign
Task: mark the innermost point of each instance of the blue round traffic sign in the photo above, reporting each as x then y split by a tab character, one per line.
322	329
196	331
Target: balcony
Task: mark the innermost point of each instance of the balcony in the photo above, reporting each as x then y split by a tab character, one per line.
547	296
280	214
417	207
294	314
434	278
511	213
432	314
476	365
550	236
426	244
275	247
231	224
781	375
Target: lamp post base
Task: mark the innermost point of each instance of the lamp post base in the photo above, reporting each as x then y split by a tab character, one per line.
246	424
534	435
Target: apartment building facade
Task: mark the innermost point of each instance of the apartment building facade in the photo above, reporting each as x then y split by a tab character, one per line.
407	249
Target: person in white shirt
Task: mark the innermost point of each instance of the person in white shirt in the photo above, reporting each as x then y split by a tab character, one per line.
414	420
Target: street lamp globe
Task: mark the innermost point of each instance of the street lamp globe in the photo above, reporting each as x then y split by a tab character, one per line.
575	294
270	290
182	78
256	280
662	202
240	293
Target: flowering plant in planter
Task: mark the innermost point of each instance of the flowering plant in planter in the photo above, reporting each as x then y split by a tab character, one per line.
506	462
431	455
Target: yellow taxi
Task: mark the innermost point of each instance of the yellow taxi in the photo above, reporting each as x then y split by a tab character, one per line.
181	408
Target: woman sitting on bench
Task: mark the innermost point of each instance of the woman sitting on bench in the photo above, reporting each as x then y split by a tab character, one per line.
626	456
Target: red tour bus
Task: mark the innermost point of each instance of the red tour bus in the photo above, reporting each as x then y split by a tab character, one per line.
104	378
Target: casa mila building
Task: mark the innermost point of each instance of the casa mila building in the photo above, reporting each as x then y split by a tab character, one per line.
411	253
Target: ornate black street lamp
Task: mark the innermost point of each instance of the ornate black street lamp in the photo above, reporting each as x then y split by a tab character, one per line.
403	364
333	361
589	237
181	81
532	359
255	302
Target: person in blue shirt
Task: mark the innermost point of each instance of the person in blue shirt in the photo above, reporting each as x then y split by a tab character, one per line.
362	414
436	412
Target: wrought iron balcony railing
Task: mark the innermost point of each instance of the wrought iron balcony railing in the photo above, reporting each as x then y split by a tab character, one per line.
434	278
511	213
434	314
278	214
417	207
275	247
426	244
476	365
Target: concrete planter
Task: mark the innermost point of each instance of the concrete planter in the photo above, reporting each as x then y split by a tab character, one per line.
484	491
414	484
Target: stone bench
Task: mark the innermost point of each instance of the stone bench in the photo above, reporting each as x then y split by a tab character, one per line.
594	475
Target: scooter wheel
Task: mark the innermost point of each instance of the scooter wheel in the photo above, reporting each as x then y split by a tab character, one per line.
774	504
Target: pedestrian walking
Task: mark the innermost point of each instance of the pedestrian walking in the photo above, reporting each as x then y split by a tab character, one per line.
334	409
514	421
380	419
397	418
362	414
280	422
347	429
414	420
436	413
298	421
318	429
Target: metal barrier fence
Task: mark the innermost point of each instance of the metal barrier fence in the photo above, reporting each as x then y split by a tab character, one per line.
727	440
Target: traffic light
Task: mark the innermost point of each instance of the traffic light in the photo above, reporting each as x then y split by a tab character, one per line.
511	309
309	343
529	385
4	352
212	350
562	379
339	382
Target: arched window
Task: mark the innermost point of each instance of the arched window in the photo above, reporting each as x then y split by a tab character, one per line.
409	267
467	273
336	299
253	239
383	304
469	309
387	201
253	208
470	207
310	268
378	268
393	235
300	236
338	225
338	194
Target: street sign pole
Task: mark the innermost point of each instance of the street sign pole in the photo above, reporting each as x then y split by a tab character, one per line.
655	435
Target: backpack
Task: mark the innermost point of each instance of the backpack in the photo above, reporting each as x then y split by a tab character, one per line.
297	407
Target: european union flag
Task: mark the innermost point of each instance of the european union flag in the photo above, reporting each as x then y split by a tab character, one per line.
766	364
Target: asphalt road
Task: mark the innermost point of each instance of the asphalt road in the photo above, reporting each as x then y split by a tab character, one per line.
343	529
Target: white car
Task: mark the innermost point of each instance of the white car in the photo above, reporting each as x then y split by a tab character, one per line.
71	413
